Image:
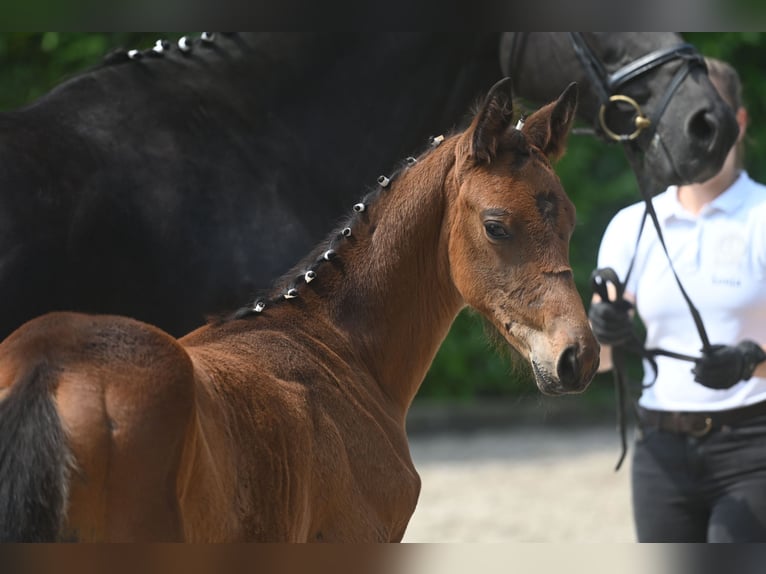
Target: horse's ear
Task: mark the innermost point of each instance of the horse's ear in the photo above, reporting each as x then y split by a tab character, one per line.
491	121
549	126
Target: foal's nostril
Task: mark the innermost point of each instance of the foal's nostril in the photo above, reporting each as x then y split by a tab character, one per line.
702	126
568	366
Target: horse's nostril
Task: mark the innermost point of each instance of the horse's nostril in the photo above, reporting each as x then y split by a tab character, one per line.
702	126
568	366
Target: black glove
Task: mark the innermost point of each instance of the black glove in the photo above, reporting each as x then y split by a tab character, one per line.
724	366
611	322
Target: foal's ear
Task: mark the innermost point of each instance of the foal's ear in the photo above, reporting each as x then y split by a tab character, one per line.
491	121
549	126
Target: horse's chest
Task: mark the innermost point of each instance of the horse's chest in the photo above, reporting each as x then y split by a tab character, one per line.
374	504
375	489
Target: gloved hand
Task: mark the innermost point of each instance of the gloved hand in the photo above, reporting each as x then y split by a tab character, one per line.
724	366
611	322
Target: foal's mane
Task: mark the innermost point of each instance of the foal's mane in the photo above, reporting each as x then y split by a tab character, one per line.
329	248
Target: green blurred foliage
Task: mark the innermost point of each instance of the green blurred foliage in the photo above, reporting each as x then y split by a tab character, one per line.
31	63
595	175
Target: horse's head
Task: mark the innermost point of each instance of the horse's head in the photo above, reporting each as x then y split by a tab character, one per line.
646	89
509	238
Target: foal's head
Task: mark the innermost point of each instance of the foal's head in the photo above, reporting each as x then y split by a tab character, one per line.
509	238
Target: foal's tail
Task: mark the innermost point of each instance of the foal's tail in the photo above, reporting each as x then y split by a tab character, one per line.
34	461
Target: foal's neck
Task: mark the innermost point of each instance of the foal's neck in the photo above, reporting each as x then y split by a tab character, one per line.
396	300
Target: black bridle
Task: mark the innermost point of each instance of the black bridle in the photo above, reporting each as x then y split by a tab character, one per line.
607	86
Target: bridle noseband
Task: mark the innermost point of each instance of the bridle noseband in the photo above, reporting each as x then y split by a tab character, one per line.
607	85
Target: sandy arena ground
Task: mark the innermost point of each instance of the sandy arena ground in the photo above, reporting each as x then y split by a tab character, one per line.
522	484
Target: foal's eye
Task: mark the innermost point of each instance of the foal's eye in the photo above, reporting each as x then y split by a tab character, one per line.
496	230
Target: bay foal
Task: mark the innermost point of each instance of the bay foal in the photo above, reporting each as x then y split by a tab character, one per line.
286	421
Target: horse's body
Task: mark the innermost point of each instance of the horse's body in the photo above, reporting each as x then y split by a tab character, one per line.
173	187
287	421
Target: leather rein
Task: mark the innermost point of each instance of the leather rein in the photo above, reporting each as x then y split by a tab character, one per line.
607	86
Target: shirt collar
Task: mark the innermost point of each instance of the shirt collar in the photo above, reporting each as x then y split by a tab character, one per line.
667	205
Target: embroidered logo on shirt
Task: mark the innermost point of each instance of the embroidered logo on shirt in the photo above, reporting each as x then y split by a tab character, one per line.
728	259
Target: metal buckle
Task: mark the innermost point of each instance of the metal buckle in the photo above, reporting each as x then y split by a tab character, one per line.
706	429
641	121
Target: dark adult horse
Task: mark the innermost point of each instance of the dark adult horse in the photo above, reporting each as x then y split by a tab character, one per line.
175	182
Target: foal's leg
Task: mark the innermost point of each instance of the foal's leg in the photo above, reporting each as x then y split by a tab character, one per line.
125	396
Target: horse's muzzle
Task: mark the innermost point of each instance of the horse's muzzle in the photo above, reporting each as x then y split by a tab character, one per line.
575	369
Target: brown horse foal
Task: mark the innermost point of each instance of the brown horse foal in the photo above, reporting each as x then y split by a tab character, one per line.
286	421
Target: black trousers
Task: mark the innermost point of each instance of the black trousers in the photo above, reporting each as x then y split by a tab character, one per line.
708	489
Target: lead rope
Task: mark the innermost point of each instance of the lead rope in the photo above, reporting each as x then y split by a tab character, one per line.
645	188
601	277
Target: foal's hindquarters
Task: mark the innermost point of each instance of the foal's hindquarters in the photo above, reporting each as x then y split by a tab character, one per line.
124	394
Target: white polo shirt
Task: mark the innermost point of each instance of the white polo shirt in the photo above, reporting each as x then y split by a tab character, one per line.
720	257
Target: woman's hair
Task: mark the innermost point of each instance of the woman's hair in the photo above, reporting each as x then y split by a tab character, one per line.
726	80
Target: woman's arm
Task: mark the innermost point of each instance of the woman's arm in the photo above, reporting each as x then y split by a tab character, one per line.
606	350
760	370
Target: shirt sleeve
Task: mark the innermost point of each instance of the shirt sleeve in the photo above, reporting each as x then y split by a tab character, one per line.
619	243
757	219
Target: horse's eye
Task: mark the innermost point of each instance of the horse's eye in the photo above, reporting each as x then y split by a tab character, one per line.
496	230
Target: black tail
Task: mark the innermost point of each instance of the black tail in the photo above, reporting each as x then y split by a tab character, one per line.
34	461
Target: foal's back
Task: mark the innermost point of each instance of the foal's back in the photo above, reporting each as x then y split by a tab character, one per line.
302	411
